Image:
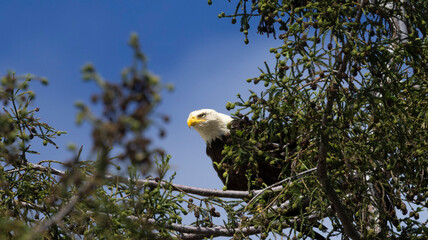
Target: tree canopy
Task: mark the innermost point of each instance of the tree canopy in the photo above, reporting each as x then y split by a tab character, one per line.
348	88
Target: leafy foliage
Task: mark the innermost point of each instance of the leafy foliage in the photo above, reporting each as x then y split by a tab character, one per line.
32	192
18	124
349	87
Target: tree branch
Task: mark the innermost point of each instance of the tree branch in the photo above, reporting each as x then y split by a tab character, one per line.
81	192
194	232
331	194
274	187
189	232
183	188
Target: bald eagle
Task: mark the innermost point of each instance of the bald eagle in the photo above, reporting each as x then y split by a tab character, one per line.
214	129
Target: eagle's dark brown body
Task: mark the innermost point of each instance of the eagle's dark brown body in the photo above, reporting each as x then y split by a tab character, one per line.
237	179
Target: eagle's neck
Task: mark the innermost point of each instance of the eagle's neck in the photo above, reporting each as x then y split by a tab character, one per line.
214	129
210	136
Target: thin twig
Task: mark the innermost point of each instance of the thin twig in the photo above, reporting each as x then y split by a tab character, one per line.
274	186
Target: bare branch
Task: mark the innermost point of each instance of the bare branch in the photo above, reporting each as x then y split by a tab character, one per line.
183	188
187	231
194	232
274	187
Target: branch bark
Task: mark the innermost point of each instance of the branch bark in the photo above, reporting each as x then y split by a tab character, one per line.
186	231
194	232
206	192
331	194
325	180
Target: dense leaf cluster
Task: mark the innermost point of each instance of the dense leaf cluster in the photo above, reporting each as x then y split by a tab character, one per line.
350	84
18	125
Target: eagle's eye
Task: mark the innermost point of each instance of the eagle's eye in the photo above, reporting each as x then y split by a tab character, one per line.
202	115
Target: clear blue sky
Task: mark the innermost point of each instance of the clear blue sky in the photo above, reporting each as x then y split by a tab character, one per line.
203	56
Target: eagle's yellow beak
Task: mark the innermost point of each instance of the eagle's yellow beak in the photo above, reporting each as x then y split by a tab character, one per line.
193	120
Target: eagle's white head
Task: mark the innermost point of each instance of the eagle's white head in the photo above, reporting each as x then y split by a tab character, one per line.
209	123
